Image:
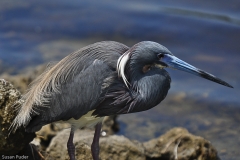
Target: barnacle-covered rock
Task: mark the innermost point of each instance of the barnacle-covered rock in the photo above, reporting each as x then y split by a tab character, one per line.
11	143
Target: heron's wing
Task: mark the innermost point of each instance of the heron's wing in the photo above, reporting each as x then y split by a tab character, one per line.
75	98
49	96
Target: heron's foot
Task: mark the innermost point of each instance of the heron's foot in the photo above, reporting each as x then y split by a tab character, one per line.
71	147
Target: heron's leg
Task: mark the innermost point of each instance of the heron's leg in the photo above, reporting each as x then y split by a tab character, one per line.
70	145
95	143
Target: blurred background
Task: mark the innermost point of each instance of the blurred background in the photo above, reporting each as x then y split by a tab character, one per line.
205	34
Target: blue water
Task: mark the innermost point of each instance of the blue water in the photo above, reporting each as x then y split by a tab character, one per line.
204	33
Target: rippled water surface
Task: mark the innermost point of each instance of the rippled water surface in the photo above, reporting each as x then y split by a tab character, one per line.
205	34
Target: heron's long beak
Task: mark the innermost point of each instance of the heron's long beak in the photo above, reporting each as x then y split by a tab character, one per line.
176	63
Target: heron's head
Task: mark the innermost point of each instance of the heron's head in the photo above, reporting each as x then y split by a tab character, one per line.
149	53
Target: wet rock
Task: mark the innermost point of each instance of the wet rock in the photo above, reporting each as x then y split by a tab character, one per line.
58	146
120	148
11	144
30	152
111	147
45	135
177	143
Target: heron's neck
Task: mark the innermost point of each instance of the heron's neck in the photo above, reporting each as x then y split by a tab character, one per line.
149	83
151	86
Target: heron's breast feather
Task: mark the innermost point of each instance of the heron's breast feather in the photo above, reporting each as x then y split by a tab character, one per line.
86	120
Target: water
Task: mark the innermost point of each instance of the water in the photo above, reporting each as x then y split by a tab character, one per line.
206	34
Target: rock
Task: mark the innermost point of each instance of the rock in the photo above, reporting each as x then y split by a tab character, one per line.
45	135
30	152
176	144
47	132
58	146
120	148
22	81
11	144
179	144
111	147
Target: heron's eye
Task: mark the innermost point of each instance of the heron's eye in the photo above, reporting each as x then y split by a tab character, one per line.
160	56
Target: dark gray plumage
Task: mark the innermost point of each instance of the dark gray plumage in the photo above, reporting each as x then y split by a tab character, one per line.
101	79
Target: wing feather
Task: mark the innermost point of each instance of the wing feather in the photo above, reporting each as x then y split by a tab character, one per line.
46	92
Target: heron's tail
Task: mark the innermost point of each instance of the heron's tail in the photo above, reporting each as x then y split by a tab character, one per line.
22	118
41	90
35	96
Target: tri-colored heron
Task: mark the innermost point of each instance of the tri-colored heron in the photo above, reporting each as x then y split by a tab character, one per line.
102	79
